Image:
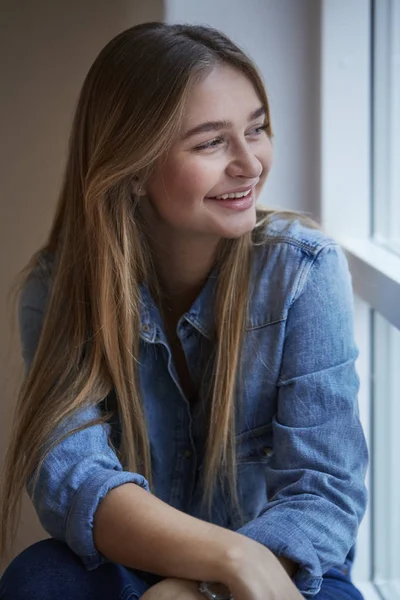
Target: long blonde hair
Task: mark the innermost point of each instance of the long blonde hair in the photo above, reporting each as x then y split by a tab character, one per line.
127	116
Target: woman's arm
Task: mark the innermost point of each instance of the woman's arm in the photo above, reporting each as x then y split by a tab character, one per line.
316	489
134	528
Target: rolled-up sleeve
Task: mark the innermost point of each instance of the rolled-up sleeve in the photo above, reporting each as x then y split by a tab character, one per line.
82	468
315	478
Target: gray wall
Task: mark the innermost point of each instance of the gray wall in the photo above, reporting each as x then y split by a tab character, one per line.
47	47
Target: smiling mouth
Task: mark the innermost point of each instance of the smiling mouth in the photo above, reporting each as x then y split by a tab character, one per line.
232	195
236	196
240	201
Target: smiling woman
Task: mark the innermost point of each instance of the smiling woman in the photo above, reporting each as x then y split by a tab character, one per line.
190	356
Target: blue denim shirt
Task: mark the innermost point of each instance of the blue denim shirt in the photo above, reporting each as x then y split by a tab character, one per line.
301	451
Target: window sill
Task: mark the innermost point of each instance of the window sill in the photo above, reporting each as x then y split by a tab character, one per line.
368	590
376	276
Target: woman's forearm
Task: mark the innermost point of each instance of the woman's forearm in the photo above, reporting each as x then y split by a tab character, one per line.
134	528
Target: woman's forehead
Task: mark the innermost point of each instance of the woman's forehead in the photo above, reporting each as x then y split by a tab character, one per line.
225	94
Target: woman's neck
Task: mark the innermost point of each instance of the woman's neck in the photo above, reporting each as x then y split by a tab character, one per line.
182	265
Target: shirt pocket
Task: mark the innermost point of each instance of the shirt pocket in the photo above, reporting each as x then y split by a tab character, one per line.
254	450
255	445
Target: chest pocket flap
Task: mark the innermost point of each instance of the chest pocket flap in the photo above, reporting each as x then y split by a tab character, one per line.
255	445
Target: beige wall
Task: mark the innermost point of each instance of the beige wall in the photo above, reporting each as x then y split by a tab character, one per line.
46	48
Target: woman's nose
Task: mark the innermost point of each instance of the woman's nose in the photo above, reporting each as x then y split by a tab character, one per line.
244	163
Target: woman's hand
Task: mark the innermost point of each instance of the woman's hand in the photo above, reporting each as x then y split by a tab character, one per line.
254	573
251	572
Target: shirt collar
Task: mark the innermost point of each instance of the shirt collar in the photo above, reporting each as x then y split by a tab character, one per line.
200	315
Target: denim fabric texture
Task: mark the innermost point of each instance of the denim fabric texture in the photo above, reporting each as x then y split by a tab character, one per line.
51	571
301	451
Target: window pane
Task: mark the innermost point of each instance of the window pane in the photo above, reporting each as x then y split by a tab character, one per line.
386	457
386	123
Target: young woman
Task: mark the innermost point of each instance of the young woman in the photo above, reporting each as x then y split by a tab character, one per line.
188	427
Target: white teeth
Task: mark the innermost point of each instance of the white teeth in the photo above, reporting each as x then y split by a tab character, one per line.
238	195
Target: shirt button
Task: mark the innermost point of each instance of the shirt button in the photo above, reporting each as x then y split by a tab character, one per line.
183	328
145	328
267	451
188	453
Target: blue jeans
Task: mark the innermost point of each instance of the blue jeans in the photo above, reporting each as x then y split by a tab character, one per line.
49	570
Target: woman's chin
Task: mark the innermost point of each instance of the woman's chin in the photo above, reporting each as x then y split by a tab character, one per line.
235	230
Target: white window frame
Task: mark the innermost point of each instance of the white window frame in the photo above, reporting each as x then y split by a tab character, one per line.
386	443
386	99
345	202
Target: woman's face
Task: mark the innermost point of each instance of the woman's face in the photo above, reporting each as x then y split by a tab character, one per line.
223	149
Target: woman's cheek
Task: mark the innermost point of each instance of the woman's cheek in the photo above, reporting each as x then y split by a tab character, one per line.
207	174
196	181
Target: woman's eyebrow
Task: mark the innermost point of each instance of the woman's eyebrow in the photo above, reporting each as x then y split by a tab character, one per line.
218	125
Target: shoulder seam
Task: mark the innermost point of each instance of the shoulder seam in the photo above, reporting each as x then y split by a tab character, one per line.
306	271
314	250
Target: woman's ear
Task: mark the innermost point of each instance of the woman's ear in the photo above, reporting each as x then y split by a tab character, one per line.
137	188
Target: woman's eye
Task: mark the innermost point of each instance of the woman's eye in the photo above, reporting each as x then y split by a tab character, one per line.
259	129
211	144
218	141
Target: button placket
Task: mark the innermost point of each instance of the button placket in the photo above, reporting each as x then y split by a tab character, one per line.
267	451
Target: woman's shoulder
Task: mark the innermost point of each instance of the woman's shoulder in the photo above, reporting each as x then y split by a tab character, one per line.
33	301
38	280
286	246
290	228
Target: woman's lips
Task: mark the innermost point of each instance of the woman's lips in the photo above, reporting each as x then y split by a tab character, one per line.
235	203
237	191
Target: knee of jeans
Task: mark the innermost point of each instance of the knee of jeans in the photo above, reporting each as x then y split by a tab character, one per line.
40	553
32	563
